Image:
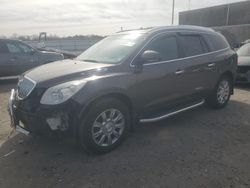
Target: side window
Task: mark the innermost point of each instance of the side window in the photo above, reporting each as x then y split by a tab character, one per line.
204	45
25	48
13	48
216	42
166	46
192	45
3	48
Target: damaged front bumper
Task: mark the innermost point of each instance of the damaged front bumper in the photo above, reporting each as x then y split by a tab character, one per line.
14	123
42	119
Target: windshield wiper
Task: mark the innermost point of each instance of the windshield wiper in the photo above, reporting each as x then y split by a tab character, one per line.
90	60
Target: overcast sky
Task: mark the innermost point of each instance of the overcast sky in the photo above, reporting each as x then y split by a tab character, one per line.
70	17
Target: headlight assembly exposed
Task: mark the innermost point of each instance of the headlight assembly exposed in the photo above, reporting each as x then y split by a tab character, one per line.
62	92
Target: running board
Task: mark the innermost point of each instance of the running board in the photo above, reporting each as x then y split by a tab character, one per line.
171	113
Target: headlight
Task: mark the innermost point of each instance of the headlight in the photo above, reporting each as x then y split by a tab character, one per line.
62	92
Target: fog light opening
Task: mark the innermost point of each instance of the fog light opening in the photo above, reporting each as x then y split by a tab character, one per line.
58	122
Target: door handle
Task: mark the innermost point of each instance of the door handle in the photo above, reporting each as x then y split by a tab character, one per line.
211	65
13	59
179	72
196	70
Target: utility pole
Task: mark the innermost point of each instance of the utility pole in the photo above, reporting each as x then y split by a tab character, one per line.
173	12
228	14
189	4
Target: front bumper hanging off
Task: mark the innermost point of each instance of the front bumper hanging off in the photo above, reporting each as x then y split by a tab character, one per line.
14	123
38	119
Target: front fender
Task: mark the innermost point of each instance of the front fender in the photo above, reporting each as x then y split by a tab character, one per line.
112	92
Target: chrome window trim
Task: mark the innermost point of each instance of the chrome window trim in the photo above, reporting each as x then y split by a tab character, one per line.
184	58
178	59
20	98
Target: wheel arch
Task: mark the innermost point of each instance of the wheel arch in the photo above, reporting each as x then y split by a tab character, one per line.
230	75
117	95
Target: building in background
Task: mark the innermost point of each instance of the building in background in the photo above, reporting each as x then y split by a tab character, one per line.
232	20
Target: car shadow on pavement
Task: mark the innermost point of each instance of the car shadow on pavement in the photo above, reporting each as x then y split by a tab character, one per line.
243	86
204	143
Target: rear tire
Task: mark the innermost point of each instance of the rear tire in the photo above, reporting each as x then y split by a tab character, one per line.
105	126
221	93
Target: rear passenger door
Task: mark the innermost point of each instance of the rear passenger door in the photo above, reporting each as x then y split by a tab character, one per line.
218	59
191	66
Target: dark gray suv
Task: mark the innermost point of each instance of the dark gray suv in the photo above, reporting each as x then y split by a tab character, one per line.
129	77
17	57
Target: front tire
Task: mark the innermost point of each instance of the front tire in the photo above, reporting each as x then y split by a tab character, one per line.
105	126
221	93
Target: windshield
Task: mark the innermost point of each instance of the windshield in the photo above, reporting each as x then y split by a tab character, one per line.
113	49
244	50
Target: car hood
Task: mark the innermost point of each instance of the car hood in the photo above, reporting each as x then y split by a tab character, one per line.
64	70
243	60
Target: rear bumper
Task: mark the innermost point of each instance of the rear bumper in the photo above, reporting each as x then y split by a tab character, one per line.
243	74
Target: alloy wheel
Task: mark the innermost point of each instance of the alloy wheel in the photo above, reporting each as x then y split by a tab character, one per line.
223	91
108	127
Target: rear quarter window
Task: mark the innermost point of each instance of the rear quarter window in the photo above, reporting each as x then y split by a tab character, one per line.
216	42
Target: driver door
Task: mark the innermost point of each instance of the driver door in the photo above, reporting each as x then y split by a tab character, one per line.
157	82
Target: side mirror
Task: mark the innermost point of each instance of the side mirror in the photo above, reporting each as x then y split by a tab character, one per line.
32	52
150	56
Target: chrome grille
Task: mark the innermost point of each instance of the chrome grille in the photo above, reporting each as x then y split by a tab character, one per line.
25	87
